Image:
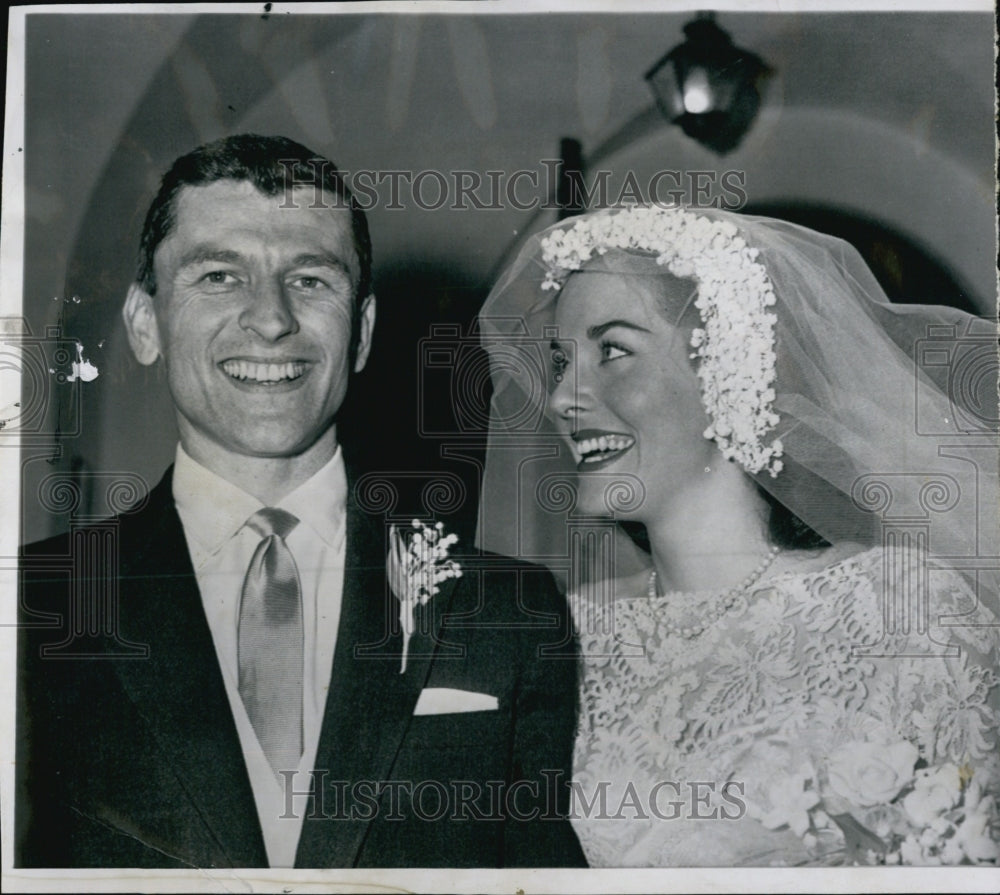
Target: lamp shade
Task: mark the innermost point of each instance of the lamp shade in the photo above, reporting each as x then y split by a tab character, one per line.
708	86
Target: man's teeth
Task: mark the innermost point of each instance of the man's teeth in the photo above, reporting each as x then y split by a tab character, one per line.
242	369
603	444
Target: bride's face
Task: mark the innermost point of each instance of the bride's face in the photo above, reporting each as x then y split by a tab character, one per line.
624	393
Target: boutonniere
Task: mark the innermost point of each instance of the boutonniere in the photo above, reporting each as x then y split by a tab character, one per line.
418	562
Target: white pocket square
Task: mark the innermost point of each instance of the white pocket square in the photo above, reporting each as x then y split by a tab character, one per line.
445	701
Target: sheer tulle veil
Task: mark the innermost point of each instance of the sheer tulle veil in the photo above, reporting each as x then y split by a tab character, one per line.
887	413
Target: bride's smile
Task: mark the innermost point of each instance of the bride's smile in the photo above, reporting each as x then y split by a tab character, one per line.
597	448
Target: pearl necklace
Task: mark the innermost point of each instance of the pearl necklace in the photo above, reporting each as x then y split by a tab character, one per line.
723	603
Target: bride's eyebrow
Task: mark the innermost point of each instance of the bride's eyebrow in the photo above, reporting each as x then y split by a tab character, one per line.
595	332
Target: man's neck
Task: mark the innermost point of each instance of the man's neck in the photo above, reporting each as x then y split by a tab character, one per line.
269	479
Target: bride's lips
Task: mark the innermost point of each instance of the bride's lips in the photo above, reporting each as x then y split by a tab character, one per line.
598	447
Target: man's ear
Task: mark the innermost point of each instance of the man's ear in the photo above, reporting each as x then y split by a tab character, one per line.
141	326
367	312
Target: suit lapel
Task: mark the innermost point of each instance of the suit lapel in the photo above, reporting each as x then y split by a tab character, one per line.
179	689
370	703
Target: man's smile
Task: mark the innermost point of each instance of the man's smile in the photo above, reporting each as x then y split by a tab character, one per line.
260	372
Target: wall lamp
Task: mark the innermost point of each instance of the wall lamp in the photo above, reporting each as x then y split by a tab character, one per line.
709	86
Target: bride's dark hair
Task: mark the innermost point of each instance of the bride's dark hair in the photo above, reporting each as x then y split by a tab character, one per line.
786	529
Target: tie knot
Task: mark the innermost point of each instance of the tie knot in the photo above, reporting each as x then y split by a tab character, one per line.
272	521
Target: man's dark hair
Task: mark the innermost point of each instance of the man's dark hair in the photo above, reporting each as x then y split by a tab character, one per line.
275	166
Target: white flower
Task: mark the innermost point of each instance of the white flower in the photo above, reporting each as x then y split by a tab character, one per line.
792	798
911	852
973	835
735	345
867	773
417	564
935	790
779	788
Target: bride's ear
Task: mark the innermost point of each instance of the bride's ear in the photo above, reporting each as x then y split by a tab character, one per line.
141	326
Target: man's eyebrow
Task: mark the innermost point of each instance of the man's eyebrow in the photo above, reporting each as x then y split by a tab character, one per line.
201	254
595	332
322	259
205	253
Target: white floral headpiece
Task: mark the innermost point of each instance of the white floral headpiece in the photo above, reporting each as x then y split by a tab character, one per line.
736	346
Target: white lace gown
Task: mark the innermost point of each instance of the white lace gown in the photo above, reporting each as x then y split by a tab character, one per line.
710	751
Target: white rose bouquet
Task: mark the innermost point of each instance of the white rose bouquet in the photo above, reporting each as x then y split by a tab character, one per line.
875	803
891	808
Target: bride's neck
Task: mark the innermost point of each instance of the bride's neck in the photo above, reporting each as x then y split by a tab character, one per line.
711	535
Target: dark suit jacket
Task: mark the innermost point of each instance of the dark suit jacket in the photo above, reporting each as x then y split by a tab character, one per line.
128	754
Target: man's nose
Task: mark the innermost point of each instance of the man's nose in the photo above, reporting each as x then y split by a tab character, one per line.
268	312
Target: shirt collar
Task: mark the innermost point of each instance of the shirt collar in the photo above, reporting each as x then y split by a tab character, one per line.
321	501
213	509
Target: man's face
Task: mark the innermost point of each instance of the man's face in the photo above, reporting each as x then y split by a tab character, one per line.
252	317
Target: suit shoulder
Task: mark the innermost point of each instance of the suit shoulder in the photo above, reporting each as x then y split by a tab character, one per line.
499	564
55	545
143	518
60	545
44	571
505	585
501	560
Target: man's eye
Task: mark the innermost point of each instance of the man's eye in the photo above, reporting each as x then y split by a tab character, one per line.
219	278
308	283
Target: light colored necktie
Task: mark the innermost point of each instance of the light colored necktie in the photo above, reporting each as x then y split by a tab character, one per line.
270	641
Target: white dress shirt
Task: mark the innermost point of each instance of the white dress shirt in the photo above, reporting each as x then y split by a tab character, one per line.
213	512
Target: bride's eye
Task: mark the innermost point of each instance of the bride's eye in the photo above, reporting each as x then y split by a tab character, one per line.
613	351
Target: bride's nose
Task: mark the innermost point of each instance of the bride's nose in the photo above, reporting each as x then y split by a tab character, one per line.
567	399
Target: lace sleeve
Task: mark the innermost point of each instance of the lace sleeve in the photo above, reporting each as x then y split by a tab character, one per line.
945	645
